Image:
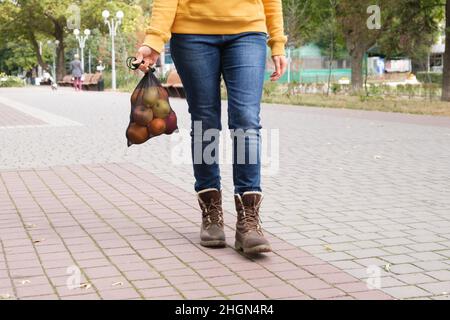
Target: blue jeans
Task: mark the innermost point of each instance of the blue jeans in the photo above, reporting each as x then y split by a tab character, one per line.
201	60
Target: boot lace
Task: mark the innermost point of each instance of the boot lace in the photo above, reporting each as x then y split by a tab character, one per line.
251	218
212	213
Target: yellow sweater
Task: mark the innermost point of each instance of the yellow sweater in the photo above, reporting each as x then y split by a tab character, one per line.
216	17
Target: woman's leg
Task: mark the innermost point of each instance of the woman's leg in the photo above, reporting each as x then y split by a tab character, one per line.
198	62
244	61
197	58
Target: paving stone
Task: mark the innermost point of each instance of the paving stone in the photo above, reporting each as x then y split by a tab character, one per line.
366	253
416	278
437	288
431	265
441	275
404	268
406	292
397	259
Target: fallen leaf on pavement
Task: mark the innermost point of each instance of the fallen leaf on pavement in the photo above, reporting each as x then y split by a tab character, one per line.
387	267
115	284
85	286
25	281
5	296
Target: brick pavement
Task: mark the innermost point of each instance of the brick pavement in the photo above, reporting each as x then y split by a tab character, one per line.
13	118
359	190
133	235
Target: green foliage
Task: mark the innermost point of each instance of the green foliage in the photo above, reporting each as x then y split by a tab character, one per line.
335	88
429	77
16	56
10	81
302	18
37	21
270	88
126	80
413	28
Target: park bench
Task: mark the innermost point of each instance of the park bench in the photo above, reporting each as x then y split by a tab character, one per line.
66	81
174	85
91	81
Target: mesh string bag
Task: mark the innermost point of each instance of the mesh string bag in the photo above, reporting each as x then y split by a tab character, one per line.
151	114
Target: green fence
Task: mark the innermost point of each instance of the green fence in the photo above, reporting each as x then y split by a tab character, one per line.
309	65
313	75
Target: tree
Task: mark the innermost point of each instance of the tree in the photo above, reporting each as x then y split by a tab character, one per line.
353	19
302	19
34	20
446	75
42	20
403	26
16	56
413	32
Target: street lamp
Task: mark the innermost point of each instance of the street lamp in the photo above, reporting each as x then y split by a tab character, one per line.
53	45
113	25
82	41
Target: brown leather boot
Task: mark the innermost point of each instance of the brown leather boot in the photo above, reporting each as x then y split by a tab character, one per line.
249	236
211	233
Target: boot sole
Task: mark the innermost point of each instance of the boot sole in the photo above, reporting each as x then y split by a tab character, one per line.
213	243
263	248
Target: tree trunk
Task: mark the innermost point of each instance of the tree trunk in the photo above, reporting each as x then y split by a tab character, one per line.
37	51
60	59
357	56
446	71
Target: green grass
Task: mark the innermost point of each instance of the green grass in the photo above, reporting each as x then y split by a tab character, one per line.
401	105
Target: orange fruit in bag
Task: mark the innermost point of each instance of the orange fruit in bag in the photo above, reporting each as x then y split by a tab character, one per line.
137	134
157	127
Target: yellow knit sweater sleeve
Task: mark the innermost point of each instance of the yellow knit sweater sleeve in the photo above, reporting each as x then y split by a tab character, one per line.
274	21
163	15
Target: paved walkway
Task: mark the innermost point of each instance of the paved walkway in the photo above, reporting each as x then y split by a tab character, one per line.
133	235
364	193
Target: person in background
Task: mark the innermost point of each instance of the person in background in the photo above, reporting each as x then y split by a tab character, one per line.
33	76
77	72
100	66
210	40
28	76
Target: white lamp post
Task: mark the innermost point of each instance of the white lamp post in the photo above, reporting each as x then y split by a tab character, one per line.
113	24
53	45
82	41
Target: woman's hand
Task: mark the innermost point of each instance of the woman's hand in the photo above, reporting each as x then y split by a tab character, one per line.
146	55
280	63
